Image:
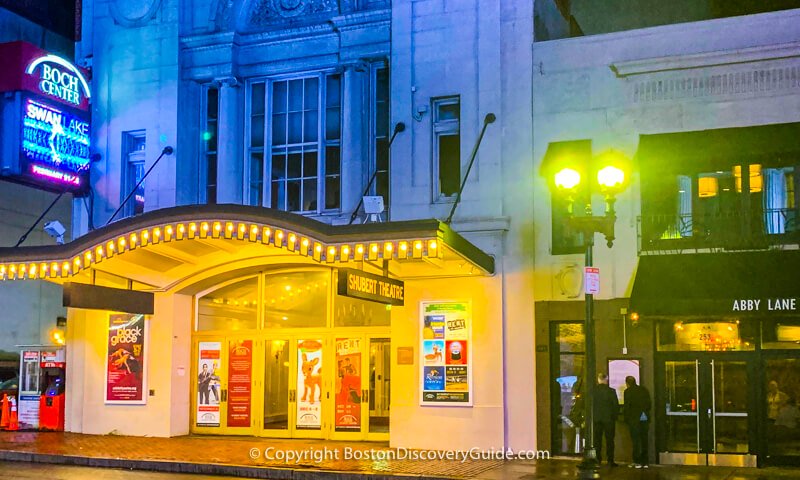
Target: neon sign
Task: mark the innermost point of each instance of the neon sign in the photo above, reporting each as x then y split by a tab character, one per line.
55	144
60	79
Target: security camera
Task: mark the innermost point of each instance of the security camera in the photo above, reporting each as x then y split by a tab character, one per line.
55	230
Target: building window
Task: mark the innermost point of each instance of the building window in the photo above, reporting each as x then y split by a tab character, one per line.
305	141
381	132
447	146
133	145
208	171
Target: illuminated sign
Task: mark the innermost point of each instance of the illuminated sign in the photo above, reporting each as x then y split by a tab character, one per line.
358	284
60	79
54	146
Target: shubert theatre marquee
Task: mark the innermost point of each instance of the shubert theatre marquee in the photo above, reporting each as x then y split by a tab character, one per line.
228	319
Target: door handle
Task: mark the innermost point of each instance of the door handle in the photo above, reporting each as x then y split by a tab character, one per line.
224	395
709	413
364	396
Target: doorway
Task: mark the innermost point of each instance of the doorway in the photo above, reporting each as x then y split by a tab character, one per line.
309	384
705	409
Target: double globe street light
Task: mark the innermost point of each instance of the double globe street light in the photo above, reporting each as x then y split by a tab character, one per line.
612	173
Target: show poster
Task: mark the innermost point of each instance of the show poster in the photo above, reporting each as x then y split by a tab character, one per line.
446	353
208	384
309	384
240	373
125	368
348	384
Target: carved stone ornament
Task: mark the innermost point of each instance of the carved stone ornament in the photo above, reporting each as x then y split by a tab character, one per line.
265	12
134	13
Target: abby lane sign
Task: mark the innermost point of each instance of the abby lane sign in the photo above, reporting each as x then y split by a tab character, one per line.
358	284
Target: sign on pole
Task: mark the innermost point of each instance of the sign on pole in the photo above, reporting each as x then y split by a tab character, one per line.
591	280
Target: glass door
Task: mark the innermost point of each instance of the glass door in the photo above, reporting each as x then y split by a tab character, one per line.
277	416
781	420
223	385
362	373
378	393
706	412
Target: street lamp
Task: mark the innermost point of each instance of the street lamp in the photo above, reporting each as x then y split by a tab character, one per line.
612	178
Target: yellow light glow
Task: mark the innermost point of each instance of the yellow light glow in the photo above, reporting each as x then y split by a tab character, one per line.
110	246
217	226
318	248
65	267
567	178
388	246
279	235
292	238
432	245
707	187
417	245
304	242
87	257
99	251
229	226
359	249
121	242
254	229
242	228
332	251
611	177
345	251
54	267
134	239
374	248
192	227
77	263
145	235
204	226
168	230
181	228
403	246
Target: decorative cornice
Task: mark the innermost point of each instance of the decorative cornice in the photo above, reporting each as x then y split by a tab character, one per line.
705	60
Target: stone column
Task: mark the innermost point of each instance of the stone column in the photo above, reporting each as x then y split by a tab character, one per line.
230	174
355	138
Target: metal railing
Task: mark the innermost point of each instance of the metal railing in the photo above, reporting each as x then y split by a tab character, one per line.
733	230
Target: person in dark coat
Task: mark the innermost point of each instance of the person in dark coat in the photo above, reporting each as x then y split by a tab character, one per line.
606	411
637	416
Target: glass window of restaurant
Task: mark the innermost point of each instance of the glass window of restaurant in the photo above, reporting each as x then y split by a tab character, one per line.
700	405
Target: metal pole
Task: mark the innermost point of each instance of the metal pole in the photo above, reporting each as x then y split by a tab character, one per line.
166	151
588	468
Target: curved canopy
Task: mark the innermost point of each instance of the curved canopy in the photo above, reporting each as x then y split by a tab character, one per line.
163	248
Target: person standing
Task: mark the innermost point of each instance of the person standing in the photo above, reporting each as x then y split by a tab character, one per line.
606	411
637	416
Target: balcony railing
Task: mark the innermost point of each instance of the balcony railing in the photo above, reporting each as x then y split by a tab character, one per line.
735	230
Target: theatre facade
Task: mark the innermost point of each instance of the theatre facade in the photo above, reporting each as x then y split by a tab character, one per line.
243	321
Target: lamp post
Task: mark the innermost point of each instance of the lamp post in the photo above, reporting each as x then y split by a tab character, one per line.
611	178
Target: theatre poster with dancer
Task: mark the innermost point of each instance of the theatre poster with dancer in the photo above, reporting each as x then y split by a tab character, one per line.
446	353
348	384
309	384
125	360
209	356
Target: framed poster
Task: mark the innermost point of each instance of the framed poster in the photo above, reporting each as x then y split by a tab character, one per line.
240	374
126	382
348	384
309	384
208	382
618	369
446	353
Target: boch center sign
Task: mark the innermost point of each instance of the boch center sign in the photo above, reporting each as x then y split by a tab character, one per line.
358	284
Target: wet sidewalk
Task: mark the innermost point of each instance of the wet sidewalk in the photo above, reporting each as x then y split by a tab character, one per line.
250	457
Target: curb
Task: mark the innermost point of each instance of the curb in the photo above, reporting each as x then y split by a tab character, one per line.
166	466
